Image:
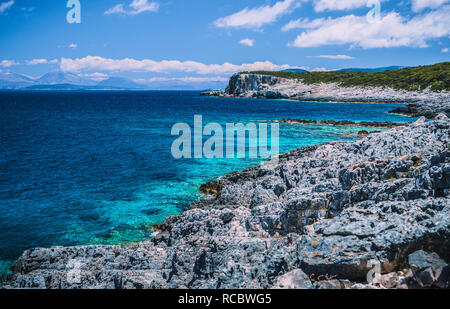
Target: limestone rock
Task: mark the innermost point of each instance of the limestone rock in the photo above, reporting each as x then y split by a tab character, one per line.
295	279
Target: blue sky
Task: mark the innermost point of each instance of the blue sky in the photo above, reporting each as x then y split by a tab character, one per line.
200	40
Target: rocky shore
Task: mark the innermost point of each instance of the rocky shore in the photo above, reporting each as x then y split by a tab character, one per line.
374	213
426	103
346	123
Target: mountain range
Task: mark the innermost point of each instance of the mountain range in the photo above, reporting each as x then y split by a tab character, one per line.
58	80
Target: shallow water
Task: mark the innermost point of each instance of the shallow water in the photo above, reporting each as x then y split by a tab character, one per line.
95	167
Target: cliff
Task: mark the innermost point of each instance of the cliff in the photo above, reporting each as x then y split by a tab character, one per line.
324	217
242	84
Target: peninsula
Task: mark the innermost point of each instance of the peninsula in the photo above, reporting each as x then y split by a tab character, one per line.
424	89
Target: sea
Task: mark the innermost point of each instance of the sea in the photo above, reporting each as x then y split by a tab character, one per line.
80	168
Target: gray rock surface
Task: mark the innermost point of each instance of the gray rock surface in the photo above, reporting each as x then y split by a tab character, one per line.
331	212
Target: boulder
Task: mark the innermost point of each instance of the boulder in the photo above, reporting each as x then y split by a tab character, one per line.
429	269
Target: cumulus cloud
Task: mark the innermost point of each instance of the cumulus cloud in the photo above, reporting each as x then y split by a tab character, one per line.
73	46
41	61
182	79
257	17
8	63
247	42
335	57
96	63
136	7
393	30
419	5
6	5
444	50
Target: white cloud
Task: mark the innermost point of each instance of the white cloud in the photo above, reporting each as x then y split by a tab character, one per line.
41	61
136	7
303	24
247	42
322	69
27	9
36	61
334	5
335	57
392	31
98	77
6	5
257	17
444	50
73	46
182	79
8	63
419	5
95	64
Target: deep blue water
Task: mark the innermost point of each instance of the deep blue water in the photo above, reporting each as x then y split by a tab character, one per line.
95	167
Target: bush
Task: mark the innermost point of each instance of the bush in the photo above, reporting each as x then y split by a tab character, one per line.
436	77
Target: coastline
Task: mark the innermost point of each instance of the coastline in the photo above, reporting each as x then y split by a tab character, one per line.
259	209
425	103
313	100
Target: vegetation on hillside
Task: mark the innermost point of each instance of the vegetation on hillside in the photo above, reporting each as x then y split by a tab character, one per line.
436	77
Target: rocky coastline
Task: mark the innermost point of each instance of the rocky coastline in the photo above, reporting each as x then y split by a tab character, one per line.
426	103
374	213
346	123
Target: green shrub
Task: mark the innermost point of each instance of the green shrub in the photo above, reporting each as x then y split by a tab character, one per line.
436	76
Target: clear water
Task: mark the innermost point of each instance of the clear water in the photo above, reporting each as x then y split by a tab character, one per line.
95	167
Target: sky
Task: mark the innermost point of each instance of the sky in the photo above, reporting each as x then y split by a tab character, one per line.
202	40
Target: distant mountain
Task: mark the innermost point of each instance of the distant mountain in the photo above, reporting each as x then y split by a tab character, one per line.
65	87
374	70
58	78
119	82
14	81
295	71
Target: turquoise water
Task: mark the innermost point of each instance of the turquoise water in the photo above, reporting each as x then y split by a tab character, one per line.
95	167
